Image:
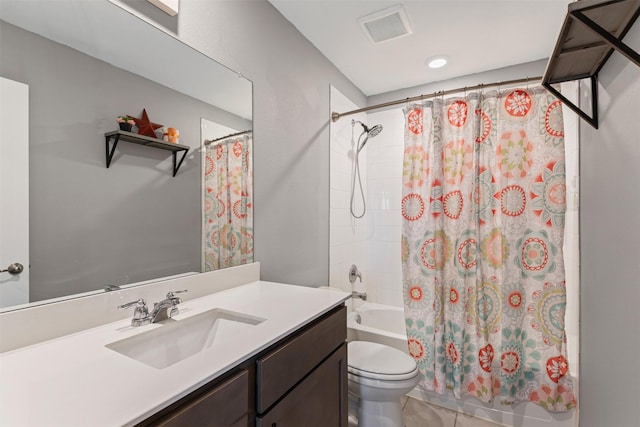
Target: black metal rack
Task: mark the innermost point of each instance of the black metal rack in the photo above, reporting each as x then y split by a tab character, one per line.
591	31
121	135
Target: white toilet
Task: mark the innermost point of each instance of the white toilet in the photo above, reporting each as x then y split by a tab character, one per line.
379	376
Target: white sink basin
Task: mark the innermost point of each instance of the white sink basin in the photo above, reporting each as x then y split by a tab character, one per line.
175	340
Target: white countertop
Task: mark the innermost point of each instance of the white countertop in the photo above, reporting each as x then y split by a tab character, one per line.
75	380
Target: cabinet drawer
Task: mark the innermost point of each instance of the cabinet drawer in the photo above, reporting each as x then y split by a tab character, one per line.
278	371
319	401
224	406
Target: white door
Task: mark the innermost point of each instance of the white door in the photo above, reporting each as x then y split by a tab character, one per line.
14	191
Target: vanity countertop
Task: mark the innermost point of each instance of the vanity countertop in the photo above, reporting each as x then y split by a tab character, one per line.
75	380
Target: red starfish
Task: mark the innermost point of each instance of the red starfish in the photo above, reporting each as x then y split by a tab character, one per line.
145	126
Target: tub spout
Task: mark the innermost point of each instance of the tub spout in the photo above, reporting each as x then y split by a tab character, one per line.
361	295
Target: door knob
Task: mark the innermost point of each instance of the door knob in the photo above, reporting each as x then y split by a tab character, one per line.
15	268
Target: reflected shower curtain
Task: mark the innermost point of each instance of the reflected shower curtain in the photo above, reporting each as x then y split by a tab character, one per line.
228	203
483	219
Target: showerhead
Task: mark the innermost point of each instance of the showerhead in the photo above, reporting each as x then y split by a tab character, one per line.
370	133
374	131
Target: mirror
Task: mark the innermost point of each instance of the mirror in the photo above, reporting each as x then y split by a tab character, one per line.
92	227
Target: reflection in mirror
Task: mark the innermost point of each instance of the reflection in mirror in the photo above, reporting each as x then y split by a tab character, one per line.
228	213
83	64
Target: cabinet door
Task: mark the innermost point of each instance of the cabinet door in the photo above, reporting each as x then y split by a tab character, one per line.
320	400
224	406
281	369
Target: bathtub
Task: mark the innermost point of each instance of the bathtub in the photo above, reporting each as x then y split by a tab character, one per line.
385	324
379	323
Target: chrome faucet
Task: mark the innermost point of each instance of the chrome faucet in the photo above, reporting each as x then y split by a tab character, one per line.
354	274
361	295
162	310
166	308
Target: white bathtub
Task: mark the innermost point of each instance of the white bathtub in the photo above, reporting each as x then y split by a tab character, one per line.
379	323
385	324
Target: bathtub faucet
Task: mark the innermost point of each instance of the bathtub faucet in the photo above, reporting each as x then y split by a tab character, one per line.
361	295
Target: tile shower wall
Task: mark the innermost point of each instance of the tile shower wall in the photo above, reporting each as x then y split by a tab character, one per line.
372	242
348	236
384	219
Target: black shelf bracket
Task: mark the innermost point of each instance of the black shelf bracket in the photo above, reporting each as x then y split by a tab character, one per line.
176	167
110	152
591	32
593	119
135	138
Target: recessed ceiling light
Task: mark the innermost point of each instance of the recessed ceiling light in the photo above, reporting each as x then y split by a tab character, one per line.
437	61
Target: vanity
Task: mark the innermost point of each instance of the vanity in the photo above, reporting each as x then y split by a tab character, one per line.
272	355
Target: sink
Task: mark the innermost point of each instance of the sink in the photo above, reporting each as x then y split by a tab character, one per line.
176	340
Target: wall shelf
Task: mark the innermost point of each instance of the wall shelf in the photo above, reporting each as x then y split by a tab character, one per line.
591	31
121	135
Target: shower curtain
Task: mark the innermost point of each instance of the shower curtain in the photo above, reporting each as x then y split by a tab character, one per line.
228	203
483	219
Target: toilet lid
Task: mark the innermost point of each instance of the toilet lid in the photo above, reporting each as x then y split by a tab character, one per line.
373	360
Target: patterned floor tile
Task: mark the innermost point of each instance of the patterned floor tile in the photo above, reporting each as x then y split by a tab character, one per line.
420	414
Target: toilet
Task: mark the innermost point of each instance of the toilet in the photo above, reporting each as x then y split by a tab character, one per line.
378	377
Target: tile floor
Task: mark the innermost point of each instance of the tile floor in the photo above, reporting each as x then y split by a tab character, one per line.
420	414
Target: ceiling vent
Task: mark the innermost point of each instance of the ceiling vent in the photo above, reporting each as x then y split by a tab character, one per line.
387	24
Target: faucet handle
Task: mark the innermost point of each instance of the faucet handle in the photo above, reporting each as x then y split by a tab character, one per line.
138	303
171	294
140	313
174	299
354	274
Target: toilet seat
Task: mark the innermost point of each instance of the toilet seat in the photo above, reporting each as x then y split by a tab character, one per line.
380	362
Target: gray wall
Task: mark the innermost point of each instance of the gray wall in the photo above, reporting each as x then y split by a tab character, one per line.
610	250
91	226
291	128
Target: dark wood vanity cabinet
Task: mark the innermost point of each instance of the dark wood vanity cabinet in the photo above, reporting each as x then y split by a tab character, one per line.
225	405
318	401
299	381
303	381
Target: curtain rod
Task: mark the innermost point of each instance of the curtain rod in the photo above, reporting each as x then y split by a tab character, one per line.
207	142
336	116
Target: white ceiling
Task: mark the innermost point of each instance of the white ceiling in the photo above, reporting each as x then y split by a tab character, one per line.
476	35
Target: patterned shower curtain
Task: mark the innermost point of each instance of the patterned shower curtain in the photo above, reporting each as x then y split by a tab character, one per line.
483	220
228	203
